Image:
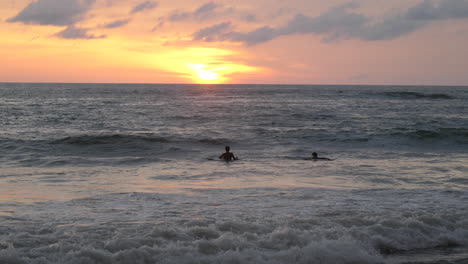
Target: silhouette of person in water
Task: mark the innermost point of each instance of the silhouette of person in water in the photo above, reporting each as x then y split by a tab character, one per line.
316	157
228	156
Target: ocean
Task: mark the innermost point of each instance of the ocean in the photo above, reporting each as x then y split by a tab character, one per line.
129	174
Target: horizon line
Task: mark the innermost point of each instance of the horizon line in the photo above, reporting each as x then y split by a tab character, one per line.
227	84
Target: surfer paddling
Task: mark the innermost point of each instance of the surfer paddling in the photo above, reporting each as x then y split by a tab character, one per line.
316	157
228	156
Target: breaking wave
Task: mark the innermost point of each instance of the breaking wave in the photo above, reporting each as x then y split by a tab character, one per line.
167	233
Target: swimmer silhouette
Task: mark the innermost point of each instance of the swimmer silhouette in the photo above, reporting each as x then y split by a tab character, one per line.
316	157
228	156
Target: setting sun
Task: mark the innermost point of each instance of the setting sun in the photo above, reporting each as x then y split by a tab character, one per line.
202	74
207	76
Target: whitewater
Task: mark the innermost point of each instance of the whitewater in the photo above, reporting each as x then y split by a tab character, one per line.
129	173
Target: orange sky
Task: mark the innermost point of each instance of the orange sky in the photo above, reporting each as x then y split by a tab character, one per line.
237	41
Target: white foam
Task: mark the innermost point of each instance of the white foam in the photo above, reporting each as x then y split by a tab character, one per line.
228	226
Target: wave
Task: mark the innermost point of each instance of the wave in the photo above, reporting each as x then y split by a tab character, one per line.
460	135
108	139
416	95
119	139
442	134
447	134
109	143
305	116
111	149
117	228
214	141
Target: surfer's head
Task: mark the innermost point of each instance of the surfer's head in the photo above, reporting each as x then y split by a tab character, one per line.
314	154
227	148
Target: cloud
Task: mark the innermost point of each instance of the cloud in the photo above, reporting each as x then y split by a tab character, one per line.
337	20
390	28
249	17
341	22
53	12
257	36
179	16
206	34
283	11
161	22
147	5
359	77
72	32
206	10
447	9
117	23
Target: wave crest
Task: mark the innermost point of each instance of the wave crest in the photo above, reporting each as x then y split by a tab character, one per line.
108	139
112	139
416	95
458	134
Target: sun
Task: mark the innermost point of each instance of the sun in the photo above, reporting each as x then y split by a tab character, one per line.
207	75
203	75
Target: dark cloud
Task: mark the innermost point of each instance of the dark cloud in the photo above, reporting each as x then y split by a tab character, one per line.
389	28
205	11
341	22
337	20
257	36
360	77
53	12
161	22
72	32
147	5
117	23
430	10
179	16
206	34
249	17
219	32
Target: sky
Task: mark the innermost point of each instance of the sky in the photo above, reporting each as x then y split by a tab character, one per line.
375	42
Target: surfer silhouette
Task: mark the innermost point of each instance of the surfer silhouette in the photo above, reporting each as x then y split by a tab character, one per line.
316	157
228	156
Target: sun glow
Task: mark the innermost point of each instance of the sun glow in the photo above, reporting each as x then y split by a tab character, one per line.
203	74
201	65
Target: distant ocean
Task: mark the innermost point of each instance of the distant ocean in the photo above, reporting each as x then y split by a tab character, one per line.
129	174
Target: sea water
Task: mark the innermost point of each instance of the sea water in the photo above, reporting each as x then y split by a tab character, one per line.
129	173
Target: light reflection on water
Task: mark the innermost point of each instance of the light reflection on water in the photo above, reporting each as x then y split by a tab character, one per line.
38	184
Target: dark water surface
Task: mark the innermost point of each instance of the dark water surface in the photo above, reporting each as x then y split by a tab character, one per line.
128	173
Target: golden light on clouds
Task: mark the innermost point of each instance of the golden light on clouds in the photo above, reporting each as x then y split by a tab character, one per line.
93	51
183	41
202	65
